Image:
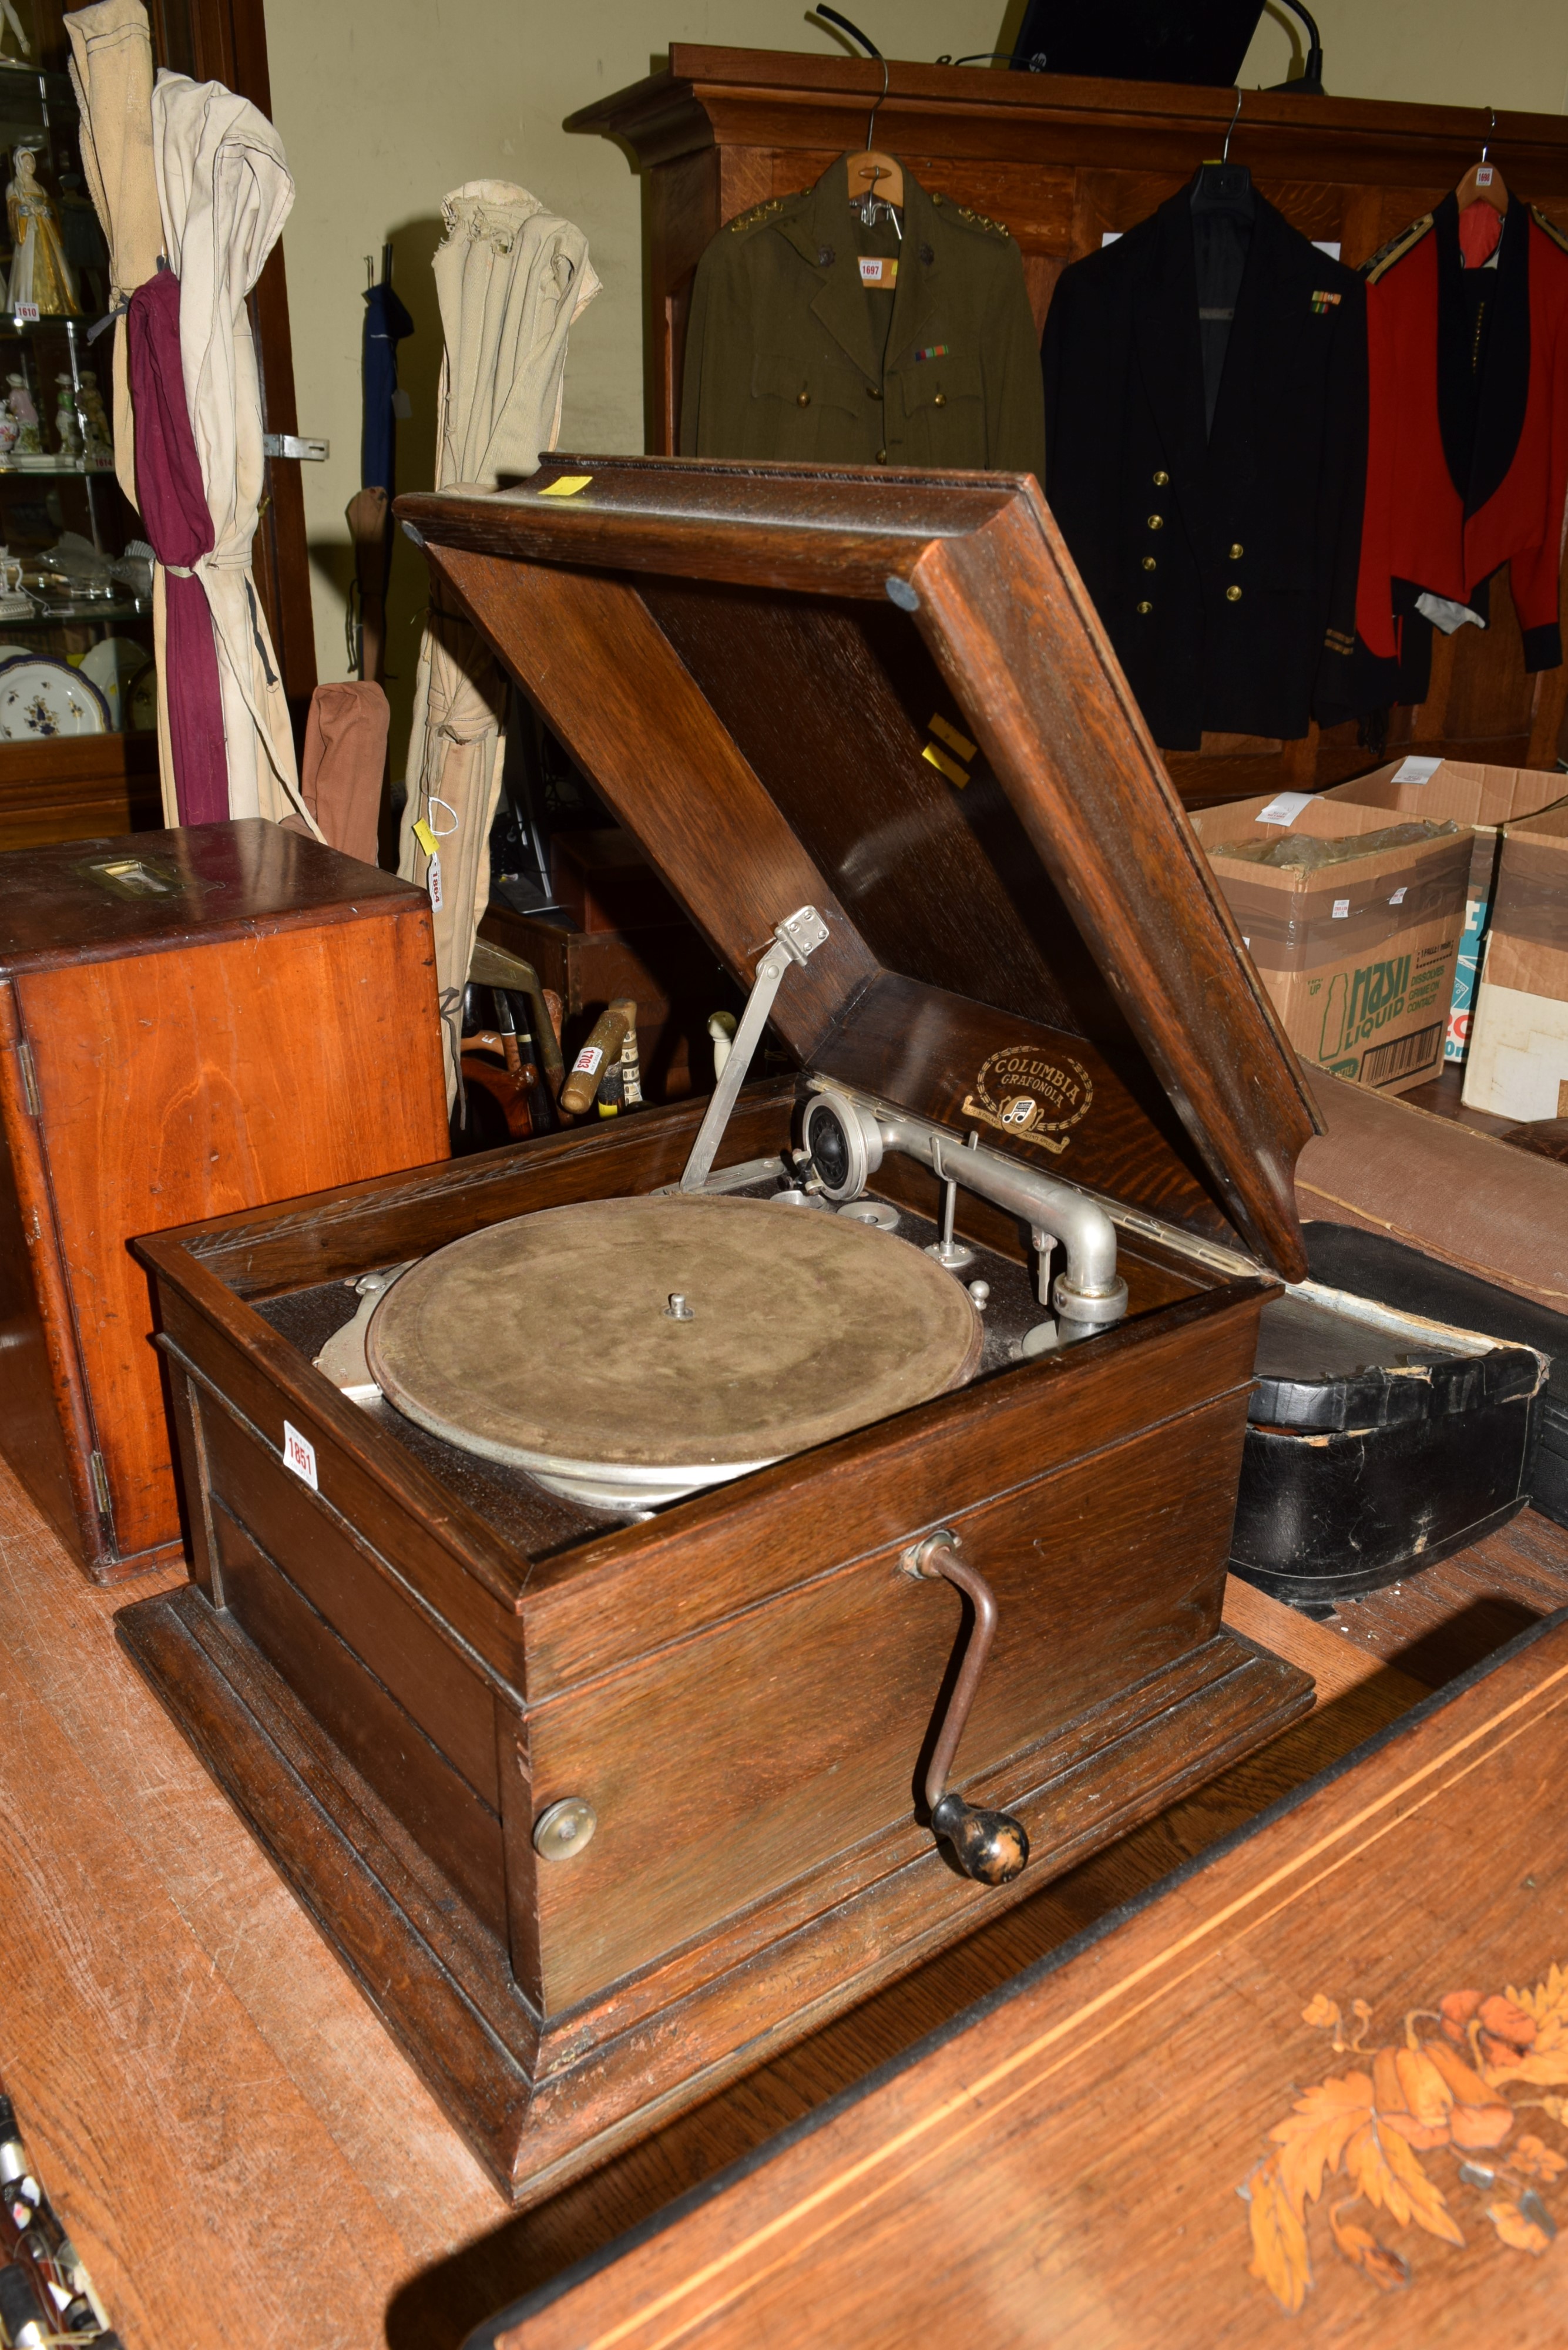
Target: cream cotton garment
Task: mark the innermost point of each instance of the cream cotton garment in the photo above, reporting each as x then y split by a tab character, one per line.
223	193
111	74
511	278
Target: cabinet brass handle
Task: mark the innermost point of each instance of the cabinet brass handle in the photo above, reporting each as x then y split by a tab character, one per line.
991	1846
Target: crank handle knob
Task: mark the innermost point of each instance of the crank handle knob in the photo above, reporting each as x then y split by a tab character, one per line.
991	1847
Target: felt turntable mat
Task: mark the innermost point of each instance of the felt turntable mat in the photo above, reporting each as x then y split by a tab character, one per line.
550	1334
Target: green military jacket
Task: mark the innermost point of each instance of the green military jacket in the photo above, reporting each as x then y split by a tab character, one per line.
786	355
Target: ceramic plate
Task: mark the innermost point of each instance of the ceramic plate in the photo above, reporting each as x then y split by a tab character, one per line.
114	667
142	702
42	699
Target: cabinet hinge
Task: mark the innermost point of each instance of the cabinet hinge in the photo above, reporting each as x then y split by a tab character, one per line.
98	1476
30	1078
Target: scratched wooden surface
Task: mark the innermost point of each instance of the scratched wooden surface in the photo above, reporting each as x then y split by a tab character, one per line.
1252	2098
239	2150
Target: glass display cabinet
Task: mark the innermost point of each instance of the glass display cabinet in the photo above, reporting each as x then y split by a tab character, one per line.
79	753
77	698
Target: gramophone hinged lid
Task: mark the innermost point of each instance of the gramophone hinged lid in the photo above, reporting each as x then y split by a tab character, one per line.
887	696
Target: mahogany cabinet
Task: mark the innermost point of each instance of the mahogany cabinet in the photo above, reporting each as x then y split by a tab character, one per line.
1065	163
410	1660
189	1021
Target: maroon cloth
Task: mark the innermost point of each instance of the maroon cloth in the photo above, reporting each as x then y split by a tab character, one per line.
175	510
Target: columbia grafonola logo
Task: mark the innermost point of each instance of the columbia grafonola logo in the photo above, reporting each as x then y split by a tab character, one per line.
1027	1093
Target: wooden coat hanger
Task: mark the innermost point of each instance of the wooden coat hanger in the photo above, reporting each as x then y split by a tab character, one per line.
873	174
1483	182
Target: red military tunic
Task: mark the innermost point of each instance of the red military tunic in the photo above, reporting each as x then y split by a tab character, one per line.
1468	444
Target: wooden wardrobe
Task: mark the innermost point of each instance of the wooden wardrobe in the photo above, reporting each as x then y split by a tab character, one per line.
1066	163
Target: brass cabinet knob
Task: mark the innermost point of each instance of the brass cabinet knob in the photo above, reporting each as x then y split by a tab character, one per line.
941	399
1161	480
802	399
1156	521
565	1829
1149	563
1237	552
1146	608
1232	594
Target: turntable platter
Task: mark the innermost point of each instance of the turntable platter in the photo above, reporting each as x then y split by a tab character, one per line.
549	1343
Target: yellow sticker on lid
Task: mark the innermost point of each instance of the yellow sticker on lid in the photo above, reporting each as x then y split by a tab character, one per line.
944	766
949	735
425	838
566	485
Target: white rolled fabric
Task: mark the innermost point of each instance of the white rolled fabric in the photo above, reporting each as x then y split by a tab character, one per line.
223	193
512	279
111	73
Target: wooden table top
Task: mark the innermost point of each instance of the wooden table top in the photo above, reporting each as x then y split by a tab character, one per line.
1320	2074
239	2150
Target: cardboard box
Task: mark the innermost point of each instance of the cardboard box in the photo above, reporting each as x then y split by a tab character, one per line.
1518	1063
1486	798
1358	957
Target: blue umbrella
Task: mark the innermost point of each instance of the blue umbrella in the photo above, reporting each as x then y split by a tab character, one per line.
387	322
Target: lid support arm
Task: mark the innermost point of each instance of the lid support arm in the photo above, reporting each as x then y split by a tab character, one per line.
794	939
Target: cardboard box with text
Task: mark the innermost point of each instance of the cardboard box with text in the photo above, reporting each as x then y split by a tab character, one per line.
1357	956
1486	798
1518	1063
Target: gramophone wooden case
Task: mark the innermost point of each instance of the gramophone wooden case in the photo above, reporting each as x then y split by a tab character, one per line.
603	1809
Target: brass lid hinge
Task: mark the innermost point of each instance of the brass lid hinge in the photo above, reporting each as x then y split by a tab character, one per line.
98	1477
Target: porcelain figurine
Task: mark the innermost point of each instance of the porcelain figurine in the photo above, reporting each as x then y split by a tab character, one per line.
40	273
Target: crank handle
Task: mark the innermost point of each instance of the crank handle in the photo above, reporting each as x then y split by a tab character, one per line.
991	1847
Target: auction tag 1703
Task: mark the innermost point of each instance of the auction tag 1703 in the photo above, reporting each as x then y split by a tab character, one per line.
299	1454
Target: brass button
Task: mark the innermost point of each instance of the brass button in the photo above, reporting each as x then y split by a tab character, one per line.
873	391
1237	552
564	1829
1161	480
940	401
1156	521
882	459
1148	562
1232	595
802	399
1146	608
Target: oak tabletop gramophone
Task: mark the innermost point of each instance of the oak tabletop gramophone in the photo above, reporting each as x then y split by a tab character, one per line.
723	1559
